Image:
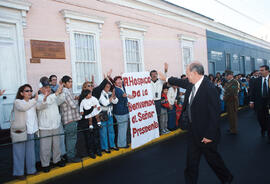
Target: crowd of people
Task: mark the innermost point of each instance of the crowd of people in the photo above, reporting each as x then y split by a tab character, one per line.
46	125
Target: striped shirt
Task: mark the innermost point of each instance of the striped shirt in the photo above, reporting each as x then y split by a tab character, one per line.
69	109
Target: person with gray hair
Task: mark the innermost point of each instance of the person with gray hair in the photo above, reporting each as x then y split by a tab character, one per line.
202	106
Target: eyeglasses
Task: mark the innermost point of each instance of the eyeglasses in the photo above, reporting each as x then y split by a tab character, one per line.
90	85
28	90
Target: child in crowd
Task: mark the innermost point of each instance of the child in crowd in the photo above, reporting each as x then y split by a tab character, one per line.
178	106
164	106
90	107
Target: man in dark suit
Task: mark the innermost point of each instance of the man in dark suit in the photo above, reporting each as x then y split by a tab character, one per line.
259	95
203	106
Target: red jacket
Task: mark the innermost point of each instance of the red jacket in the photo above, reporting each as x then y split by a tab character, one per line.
164	101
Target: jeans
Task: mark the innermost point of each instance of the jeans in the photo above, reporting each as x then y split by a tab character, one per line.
122	121
71	138
107	131
172	119
62	140
24	152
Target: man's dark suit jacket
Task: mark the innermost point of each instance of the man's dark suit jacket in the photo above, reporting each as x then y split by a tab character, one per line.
256	93
205	109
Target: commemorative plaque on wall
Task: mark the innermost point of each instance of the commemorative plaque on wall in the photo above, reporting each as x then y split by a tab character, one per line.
48	49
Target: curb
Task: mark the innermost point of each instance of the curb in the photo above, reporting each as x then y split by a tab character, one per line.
86	162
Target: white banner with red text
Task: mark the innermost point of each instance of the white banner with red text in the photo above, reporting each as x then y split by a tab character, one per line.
142	112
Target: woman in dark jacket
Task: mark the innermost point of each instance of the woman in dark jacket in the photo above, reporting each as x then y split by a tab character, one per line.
88	143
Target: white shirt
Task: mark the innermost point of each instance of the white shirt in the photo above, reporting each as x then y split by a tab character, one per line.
197	85
171	95
105	102
157	89
87	104
31	121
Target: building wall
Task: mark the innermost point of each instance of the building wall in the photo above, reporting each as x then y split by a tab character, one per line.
161	40
219	45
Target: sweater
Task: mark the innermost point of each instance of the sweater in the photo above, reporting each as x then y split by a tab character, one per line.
19	124
121	108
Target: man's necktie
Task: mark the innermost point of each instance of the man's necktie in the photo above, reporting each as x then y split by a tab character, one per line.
190	102
264	88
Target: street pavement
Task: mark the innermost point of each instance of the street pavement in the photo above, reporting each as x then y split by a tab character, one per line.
247	155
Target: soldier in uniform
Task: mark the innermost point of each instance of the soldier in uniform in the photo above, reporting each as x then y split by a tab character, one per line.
231	100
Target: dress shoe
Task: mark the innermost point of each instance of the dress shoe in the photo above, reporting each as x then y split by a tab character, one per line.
74	160
46	169
106	151
32	174
20	177
64	157
115	148
127	146
38	166
61	163
92	155
99	153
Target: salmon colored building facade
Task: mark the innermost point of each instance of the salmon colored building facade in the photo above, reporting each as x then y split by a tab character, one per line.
98	35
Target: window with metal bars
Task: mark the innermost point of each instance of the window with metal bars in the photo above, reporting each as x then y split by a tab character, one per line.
133	55
86	58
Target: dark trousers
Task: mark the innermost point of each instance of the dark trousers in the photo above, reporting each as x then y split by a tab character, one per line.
213	158
172	118
262	116
232	116
158	110
88	141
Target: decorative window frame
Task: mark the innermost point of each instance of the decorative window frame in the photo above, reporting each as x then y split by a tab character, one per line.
77	22
135	32
186	42
14	12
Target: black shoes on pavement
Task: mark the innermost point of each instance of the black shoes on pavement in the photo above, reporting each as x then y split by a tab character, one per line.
74	160
46	169
115	148
92	155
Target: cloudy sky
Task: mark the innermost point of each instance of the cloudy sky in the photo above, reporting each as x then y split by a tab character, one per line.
255	19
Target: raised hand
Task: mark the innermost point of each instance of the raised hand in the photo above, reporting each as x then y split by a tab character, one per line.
2	92
206	141
93	79
161	76
130	96
109	73
59	90
166	66
113	92
36	95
